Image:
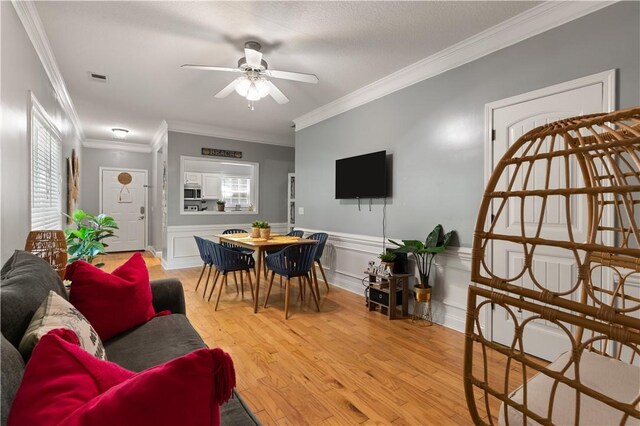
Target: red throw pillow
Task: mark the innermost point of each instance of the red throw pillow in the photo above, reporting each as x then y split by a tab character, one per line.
66	386
115	302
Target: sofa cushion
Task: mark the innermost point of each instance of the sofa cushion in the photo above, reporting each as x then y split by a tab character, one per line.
112	302
55	312
12	369
26	281
157	341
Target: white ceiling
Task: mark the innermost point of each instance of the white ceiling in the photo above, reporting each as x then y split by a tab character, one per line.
141	45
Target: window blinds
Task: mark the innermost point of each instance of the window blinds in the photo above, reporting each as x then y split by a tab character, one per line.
46	174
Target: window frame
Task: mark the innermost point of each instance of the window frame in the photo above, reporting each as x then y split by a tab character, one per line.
36	110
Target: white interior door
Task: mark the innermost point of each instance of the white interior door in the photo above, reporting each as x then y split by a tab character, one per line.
553	268
127	204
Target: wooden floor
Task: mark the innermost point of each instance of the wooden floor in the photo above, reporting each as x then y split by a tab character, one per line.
342	366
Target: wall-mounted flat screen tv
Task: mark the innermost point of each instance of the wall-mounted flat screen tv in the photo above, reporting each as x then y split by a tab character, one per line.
364	176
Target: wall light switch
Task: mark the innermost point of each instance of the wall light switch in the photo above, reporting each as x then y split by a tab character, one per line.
300	210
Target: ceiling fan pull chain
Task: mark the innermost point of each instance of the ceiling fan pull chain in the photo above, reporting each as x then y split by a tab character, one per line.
250	106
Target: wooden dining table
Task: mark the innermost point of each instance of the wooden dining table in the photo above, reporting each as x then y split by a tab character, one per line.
260	245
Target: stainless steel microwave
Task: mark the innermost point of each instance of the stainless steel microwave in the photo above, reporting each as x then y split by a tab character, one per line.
193	194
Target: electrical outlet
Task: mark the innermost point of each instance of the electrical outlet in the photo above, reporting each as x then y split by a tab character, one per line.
301	210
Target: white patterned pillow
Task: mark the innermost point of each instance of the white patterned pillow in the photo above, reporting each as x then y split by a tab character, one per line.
56	312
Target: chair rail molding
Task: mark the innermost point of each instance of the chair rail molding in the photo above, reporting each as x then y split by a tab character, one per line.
30	19
538	19
182	251
346	257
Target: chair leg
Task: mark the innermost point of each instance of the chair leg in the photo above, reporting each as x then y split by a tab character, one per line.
315	299
273	274
250	285
301	289
264	264
216	275
206	283
235	280
286	299
241	283
220	291
204	266
314	274
324	277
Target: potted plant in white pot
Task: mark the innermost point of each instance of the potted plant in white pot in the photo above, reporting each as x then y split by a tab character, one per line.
220	204
424	253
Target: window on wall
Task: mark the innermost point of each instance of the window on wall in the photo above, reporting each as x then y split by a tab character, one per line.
236	191
46	171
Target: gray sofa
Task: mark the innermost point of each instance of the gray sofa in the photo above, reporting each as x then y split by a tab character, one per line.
26	281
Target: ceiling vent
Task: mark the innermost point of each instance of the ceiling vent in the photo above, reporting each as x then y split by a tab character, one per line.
97	77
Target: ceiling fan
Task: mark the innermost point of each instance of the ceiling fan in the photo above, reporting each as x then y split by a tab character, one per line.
253	84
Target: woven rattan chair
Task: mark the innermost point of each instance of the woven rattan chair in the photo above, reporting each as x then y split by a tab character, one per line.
51	246
597	308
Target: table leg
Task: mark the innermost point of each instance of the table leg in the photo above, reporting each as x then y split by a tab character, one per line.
259	255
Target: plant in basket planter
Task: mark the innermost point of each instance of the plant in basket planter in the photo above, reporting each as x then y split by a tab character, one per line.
424	253
255	229
265	229
86	241
220	204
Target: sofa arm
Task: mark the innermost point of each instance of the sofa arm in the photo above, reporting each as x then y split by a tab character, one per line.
168	294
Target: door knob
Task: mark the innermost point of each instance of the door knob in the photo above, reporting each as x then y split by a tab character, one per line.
140	217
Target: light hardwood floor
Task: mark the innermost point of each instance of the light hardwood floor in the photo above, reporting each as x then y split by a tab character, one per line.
342	366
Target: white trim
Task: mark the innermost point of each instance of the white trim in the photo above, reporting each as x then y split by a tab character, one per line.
234	134
532	22
116	145
158	137
154	252
146	195
32	24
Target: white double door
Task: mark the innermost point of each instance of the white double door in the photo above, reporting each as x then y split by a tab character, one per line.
554	268
127	204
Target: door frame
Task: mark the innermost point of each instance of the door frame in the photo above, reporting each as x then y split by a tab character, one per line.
608	81
101	169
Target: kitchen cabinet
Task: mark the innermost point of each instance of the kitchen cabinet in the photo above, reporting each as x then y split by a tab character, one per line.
190	177
211	186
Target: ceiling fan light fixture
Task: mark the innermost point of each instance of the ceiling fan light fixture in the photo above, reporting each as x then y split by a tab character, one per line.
120	133
242	87
253	94
263	87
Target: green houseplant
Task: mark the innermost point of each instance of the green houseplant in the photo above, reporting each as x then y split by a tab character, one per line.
387	258
265	229
86	241
424	254
220	204
255	229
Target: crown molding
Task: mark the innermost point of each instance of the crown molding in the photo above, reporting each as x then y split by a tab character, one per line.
32	24
532	22
116	145
234	134
156	141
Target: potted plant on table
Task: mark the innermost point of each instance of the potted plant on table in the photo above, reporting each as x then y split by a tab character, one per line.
86	241
424	253
255	229
265	230
387	258
220	204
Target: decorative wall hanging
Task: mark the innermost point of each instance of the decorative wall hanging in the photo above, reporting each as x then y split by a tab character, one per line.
125	195
214	152
73	183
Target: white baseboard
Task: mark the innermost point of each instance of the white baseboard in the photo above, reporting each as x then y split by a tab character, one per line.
346	257
182	251
154	252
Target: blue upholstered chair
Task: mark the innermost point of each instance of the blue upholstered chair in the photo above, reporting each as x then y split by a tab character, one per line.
291	262
321	238
228	260
206	259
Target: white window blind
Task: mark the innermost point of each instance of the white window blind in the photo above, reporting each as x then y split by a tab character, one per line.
236	191
46	172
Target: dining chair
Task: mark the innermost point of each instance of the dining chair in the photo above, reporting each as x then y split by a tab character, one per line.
293	233
234	246
228	260
291	262
321	238
207	261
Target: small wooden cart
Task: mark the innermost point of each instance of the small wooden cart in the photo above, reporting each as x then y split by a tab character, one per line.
387	299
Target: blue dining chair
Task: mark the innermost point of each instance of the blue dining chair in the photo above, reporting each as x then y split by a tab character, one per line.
321	238
291	262
207	261
228	260
293	233
234	246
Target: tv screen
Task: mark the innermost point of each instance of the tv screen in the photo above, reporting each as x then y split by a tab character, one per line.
364	176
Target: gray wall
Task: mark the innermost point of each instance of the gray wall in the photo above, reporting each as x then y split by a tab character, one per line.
93	159
434	129
22	71
275	162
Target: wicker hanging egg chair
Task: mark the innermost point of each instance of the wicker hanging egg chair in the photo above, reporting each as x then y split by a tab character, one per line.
569	191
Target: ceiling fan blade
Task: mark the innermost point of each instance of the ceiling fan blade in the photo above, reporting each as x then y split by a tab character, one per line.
296	76
276	94
227	90
254	57
209	68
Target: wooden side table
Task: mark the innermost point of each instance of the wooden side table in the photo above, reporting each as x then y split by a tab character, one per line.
396	293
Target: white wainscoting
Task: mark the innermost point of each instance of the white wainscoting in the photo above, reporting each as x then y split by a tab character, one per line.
182	251
346	257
